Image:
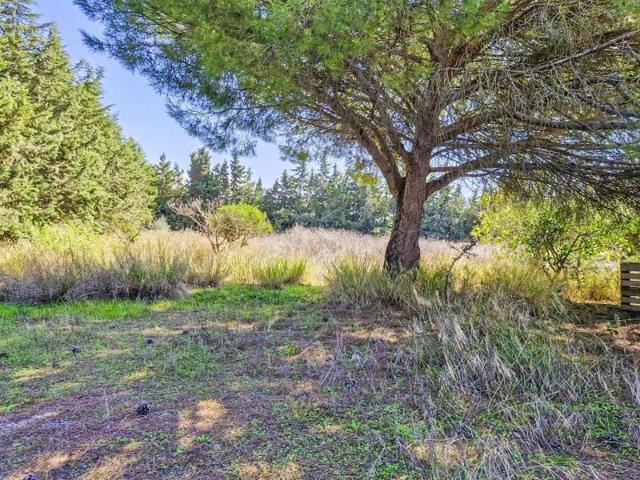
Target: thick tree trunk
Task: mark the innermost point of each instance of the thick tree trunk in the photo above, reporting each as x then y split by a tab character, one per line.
403	249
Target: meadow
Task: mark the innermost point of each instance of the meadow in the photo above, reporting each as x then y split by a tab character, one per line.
298	357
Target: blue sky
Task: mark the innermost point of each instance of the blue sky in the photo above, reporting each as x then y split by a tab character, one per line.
140	110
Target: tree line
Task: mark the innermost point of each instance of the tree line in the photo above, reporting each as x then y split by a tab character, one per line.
310	194
64	159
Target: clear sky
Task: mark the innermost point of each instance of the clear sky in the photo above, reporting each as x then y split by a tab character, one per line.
140	110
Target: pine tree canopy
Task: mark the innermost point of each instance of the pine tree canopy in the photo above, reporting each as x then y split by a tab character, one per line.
431	90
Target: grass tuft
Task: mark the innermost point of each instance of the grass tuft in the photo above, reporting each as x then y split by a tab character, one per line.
280	271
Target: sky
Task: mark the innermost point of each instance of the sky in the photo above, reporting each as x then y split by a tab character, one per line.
141	112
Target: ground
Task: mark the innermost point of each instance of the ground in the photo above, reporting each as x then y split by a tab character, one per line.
241	383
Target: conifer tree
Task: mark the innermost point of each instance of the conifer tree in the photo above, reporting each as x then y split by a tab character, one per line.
62	156
200	178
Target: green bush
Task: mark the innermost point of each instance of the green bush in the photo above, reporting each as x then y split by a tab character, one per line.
239	222
226	224
279	271
562	236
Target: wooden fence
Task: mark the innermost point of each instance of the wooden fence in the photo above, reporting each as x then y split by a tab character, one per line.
630	286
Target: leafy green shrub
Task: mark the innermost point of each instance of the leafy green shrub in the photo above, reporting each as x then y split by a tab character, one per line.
559	236
275	273
562	236
239	222
226	224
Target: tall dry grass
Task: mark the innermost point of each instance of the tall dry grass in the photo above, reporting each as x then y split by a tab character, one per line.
69	264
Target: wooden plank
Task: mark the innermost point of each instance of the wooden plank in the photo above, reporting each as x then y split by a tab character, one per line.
630	292
630	301
632	308
630	276
630	283
630	264
630	267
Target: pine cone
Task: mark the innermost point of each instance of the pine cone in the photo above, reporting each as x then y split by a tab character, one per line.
556	445
610	440
143	408
351	384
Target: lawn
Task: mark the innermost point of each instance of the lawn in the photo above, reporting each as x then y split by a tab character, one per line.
249	383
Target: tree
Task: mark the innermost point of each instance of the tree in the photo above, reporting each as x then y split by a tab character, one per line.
224	225
241	187
168	183
62	155
448	215
200	179
433	91
561	236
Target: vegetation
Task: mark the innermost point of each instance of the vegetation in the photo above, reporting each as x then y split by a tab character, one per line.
157	324
277	272
324	197
62	155
429	92
561	236
225	224
244	382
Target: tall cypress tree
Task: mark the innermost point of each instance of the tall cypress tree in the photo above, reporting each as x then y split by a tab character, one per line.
62	156
200	179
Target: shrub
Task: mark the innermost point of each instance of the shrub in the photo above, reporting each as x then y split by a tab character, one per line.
275	273
239	222
226	224
562	236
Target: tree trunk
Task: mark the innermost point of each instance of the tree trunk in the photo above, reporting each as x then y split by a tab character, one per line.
403	249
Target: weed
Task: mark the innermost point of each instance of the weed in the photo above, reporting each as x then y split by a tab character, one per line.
277	272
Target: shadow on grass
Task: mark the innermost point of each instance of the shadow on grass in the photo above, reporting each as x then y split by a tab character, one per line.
238	384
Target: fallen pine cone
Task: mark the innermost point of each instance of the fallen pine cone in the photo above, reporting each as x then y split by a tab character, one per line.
143	408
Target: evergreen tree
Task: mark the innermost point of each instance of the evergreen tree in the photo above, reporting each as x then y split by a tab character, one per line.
241	188
167	185
200	177
449	216
220	182
62	156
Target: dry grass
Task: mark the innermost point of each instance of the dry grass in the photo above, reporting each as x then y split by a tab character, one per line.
71	265
464	374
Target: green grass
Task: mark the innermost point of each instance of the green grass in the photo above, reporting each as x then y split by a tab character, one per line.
229	295
277	272
252	383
